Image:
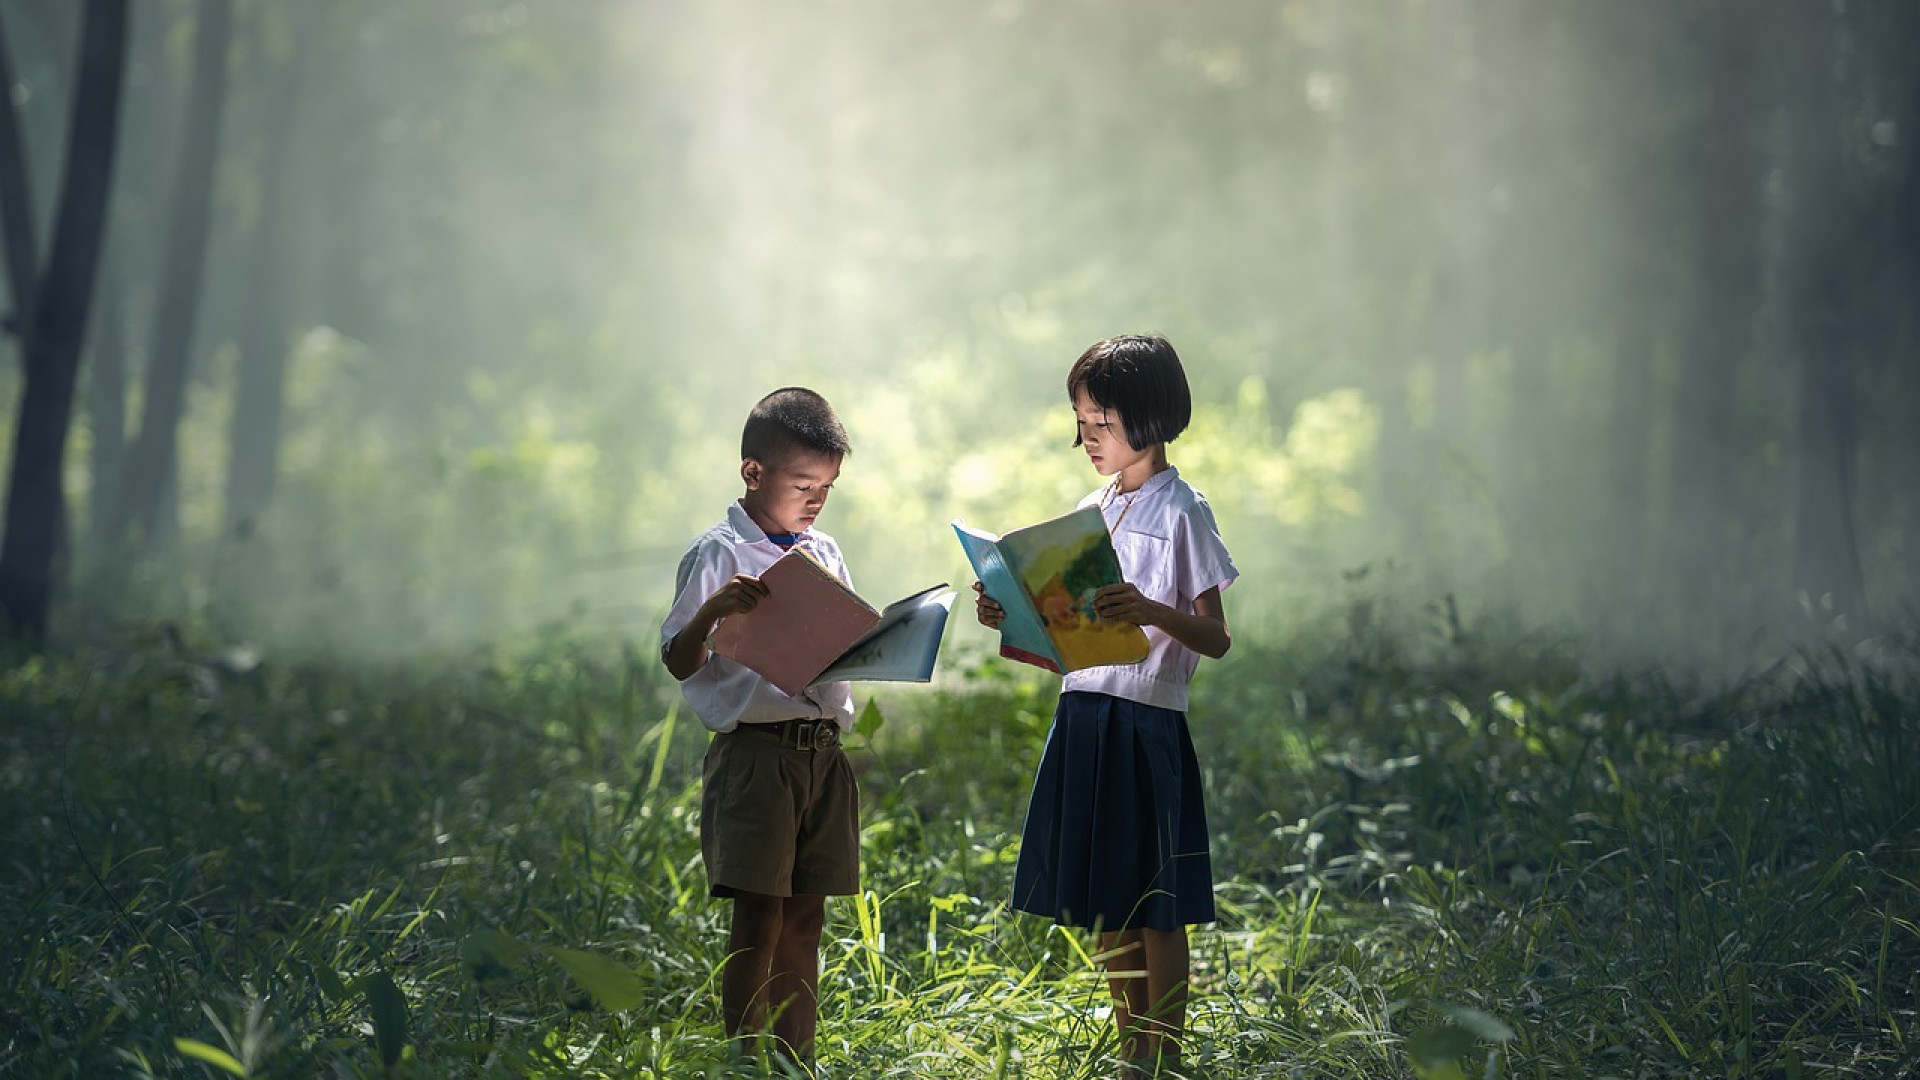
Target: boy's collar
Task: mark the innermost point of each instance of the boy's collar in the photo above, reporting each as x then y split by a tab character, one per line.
750	530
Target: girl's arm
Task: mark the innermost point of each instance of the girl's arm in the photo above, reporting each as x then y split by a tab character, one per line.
1204	631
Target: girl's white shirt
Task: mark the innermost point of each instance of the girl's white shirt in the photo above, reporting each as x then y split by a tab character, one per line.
1170	549
726	694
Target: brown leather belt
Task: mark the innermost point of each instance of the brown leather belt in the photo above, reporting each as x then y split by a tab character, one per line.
806	734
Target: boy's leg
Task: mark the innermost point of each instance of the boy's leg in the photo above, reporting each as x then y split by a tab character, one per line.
793	990
751	949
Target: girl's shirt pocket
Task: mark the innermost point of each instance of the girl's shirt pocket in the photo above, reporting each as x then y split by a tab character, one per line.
1147	561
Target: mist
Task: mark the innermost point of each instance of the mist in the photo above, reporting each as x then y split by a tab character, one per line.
1593	319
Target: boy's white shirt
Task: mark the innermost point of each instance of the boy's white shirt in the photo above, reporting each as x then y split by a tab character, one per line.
724	693
1170	549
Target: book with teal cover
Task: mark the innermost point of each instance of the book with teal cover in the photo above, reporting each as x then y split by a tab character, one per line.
1044	577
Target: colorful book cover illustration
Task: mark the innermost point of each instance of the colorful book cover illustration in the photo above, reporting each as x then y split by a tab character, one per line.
1045	576
811	628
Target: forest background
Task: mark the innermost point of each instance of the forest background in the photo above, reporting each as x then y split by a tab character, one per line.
1542	350
419	324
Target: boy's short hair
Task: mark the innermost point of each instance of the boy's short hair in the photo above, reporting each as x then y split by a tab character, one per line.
1138	376
792	418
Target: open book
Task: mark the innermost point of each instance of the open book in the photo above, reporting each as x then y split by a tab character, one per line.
810	628
1045	576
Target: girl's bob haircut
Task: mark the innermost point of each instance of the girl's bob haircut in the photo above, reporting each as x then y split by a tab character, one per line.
1139	377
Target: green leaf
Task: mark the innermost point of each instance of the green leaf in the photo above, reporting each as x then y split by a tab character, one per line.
869	720
330	985
611	983
492	954
1480	1024
388	1007
664	731
1437	1049
212	1055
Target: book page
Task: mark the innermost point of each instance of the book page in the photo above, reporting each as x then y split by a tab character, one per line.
903	647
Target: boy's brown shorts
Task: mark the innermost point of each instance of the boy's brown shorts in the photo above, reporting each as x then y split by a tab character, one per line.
777	819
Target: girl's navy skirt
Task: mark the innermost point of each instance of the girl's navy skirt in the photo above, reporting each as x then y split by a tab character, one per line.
1116	834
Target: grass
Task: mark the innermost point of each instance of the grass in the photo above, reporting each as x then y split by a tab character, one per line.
1438	861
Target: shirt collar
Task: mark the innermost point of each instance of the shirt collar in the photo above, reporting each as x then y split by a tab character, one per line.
749	530
1154	483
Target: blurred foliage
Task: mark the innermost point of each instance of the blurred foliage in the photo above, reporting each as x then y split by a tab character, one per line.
538	260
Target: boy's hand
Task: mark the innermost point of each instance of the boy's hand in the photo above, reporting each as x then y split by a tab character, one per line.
737	597
1124	603
986	609
687	652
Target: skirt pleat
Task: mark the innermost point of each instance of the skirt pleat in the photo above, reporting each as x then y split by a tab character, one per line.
1116	833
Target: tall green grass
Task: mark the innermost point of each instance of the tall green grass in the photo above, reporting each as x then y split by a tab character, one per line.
1432	859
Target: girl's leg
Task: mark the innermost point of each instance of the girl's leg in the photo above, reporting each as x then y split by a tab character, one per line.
1125	960
1168	975
751	948
793	990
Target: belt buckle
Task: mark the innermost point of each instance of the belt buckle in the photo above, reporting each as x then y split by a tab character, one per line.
816	735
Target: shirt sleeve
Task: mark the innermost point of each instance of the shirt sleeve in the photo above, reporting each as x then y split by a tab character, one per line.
1204	562
703	569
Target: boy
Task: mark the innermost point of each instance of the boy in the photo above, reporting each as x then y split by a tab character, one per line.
779	812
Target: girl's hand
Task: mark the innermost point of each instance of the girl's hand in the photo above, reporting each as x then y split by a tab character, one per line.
1204	629
1124	603
986	609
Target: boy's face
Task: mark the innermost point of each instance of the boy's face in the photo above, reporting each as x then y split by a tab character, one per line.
1103	436
785	494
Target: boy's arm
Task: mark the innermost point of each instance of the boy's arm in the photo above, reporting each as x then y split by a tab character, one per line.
686	652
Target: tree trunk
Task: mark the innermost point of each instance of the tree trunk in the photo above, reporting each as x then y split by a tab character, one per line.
1826	550
149	481
16	208
1905	454
1719	336
36	509
1461	326
1826	250
1336	184
107	400
1887	385
1643	268
1629	436
259	396
1530	232
149	126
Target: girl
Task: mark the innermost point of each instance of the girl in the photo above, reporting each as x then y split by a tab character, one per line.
1116	831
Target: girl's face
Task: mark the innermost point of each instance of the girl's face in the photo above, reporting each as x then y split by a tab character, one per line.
786	497
1103	437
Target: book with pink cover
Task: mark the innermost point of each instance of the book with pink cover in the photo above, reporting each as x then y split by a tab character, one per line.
811	628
